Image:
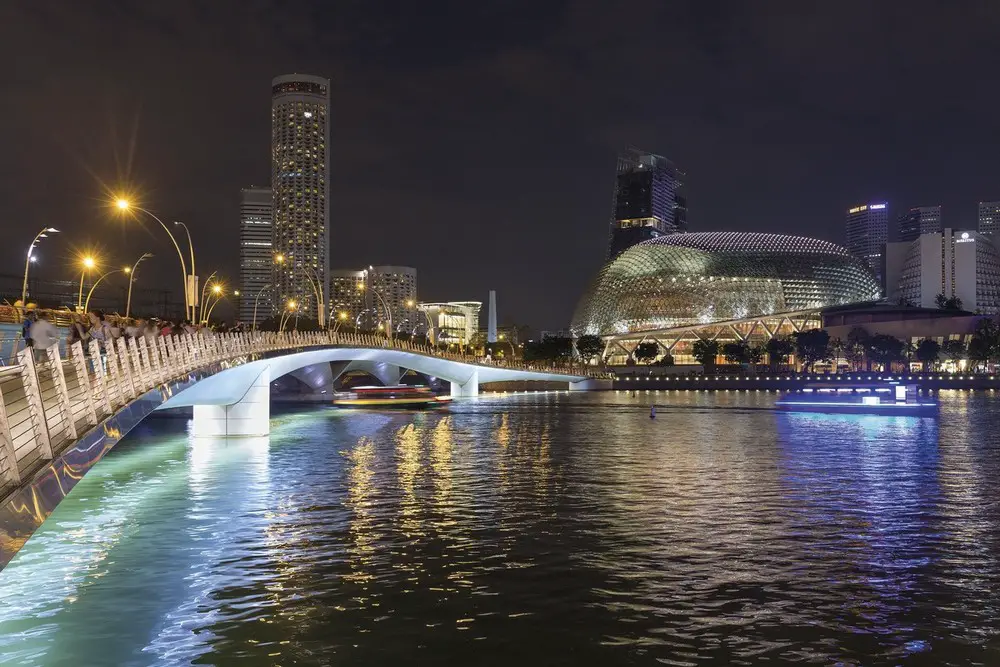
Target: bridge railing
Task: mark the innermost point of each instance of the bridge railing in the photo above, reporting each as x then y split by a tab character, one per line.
52	396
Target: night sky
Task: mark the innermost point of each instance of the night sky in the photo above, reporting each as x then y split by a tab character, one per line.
476	141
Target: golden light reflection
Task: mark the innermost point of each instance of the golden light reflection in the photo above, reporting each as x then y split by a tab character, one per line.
360	488
408	456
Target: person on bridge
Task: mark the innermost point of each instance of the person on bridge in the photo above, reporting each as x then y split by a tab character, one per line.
100	329
78	332
44	334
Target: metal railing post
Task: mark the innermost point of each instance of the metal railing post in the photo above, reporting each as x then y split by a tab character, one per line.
128	373
83	385
9	468
62	395
29	382
100	381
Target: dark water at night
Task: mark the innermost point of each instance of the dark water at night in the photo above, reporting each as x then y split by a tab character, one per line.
541	529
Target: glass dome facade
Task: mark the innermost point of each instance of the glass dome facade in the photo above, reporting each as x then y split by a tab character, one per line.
685	279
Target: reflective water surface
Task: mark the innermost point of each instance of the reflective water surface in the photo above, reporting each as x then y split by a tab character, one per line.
541	529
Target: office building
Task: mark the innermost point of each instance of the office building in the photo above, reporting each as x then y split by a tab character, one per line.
989	218
397	287
300	158
256	255
867	233
647	201
450	322
347	296
919	220
375	296
951	263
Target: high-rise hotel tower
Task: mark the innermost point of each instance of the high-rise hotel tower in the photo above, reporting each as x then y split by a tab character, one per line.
300	181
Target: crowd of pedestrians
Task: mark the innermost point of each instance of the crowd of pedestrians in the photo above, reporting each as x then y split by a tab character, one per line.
39	333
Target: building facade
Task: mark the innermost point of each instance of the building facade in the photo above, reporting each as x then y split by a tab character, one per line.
300	159
648	201
256	255
397	287
868	232
919	220
347	297
375	297
954	264
989	218
451	322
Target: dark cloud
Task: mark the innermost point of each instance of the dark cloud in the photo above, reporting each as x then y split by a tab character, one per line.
476	141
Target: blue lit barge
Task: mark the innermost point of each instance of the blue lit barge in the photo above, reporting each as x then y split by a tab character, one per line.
883	398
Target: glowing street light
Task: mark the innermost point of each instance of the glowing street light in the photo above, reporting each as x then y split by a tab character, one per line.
90	293
30	259
130	272
125	206
88	263
219	291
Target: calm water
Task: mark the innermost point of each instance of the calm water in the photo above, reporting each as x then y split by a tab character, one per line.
543	529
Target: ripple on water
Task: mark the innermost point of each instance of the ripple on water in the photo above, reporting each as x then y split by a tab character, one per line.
546	528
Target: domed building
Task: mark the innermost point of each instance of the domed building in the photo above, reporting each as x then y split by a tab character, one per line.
686	281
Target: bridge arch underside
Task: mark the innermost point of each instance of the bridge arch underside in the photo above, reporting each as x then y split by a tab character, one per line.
236	401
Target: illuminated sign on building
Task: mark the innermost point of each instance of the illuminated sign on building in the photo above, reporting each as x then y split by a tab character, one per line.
858	209
877	207
965	238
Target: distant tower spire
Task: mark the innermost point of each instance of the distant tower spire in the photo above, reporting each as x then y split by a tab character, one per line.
491	332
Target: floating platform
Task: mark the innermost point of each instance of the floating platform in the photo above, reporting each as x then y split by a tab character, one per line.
888	398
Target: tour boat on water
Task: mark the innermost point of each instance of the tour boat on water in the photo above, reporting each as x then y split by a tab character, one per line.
880	398
394	396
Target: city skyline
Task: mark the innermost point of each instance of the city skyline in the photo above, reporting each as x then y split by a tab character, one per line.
429	170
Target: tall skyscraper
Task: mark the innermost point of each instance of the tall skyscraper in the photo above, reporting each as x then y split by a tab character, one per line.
868	232
647	201
989	218
300	159
256	254
919	220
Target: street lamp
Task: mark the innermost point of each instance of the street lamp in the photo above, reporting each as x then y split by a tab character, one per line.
204	293
253	325
291	307
88	264
30	257
194	273
125	206
86	304
218	291
130	270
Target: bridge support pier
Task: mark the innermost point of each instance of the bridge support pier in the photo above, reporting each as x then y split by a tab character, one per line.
250	416
470	388
591	384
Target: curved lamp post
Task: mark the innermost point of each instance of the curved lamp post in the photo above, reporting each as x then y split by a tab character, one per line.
204	293
193	272
290	308
28	257
90	293
253	325
218	291
131	276
88	263
124	206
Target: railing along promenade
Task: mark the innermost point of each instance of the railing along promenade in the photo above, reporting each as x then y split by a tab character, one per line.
50	399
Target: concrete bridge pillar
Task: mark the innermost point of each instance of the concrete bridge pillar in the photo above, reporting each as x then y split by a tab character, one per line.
250	416
469	388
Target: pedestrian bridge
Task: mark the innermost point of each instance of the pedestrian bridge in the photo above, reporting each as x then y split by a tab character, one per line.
61	413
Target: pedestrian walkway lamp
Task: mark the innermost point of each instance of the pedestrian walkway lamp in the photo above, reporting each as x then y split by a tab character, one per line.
29	257
219	292
125	206
204	292
253	325
130	270
194	274
90	293
88	263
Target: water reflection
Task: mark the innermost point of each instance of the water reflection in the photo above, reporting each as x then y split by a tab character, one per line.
540	528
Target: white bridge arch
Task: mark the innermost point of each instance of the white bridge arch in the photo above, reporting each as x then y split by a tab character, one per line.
235	401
